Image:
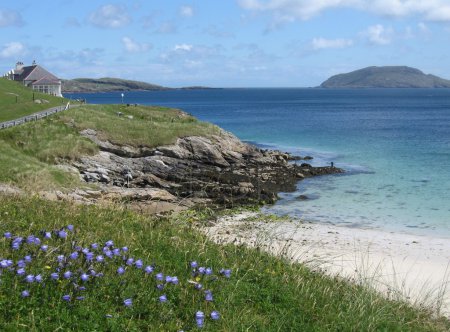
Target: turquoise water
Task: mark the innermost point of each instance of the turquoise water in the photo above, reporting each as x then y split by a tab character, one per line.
394	145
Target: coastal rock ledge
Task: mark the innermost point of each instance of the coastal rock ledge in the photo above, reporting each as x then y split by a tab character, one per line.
219	169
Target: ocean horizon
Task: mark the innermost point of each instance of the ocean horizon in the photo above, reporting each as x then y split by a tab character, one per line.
393	143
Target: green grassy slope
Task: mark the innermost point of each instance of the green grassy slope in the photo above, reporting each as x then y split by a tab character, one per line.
262	294
11	91
106	84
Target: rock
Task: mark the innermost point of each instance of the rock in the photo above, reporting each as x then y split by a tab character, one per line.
302	197
307	158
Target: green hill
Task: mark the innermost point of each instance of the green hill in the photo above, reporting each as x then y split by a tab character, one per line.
386	77
106	84
17	100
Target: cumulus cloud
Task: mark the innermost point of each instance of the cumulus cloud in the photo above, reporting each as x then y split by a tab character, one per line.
12	50
379	35
10	18
322	43
110	16
430	10
183	47
132	46
186	11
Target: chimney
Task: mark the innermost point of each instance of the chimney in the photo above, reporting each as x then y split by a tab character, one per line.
19	66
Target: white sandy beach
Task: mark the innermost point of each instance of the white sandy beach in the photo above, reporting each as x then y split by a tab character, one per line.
410	267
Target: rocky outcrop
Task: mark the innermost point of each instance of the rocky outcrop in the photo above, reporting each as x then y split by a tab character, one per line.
219	169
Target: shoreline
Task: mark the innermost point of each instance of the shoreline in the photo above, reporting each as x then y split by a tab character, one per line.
407	267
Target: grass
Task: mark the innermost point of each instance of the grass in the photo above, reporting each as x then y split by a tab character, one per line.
149	126
16	100
263	294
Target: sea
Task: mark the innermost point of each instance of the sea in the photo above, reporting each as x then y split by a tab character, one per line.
394	145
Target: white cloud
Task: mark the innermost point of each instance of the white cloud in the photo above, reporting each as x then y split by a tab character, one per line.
289	10
12	50
423	27
379	35
183	47
132	46
110	16
10	18
322	43
186	11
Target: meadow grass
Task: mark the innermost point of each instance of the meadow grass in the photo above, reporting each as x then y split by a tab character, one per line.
16	100
263	293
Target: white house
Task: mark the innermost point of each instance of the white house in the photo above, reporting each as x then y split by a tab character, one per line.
36	78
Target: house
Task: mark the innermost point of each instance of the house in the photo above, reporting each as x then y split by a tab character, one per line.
36	78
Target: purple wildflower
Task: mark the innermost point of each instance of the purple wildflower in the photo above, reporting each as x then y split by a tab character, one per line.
226	273
44	247
130	261
159	276
30	239
208	271
15	245
62	234
27	259
7	235
20	271
199	318
168	279
85	250
30	278
84	277
201	270
159	286
128	303
38	278
4	264
99	258
139	264
109	254
215	315
149	269
37	241
74	255
162	298
208	296
194	264
70	228
198	286
25	293
94	246
54	276
92	273
116	252
109	243
120	270
124	249
48	235
67	275
175	280
80	298
89	256
21	263
66	298
81	288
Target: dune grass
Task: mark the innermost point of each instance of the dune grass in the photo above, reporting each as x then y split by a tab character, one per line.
16	100
139	125
263	293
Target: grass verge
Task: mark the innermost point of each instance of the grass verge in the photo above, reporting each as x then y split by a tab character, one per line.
263	293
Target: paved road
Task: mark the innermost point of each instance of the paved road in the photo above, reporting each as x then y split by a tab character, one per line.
34	116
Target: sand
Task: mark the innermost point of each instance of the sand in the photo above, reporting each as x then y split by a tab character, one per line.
400	266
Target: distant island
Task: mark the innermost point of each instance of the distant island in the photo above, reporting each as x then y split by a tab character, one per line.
385	77
109	84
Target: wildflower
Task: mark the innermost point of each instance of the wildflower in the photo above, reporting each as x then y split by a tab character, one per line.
62	234
30	239
208	271
20	271
159	286
99	258
38	278
109	243
116	252
54	276
78	248
25	293
30	278
149	269
67	275
37	241
128	302
92	273
163	298
99	275
81	288
80	298
198	286
21	263
175	280
201	270
7	235
130	261
199	318
44	247
27	259
109	254
194	264
208	296
94	246
159	276
85	250
124	249
48	235
89	256
215	315
4	264
84	277
168	279
15	245
226	273
74	255
70	228
139	264
120	270
66	298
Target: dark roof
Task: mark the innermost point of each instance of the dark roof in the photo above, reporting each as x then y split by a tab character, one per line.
33	73
46	81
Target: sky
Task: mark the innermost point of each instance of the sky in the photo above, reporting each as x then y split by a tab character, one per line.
224	43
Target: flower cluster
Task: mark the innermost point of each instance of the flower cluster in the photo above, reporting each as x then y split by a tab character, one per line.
74	269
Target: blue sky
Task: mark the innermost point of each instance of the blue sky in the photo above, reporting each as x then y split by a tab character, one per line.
225	43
